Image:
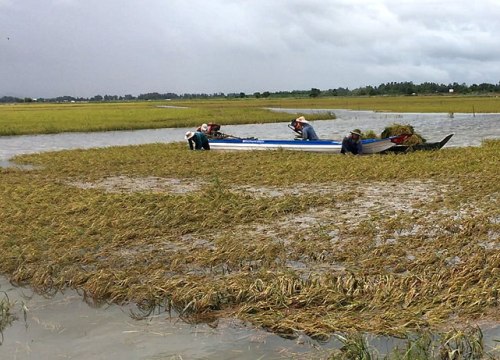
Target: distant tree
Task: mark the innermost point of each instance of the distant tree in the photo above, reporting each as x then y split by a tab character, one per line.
389	88
486	87
370	90
10	99
110	97
442	88
342	91
149	96
332	92
427	88
170	95
65	98
314	92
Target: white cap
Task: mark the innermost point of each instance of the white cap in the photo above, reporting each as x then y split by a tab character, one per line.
189	135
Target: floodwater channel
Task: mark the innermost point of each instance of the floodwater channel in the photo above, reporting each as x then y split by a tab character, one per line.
469	130
65	327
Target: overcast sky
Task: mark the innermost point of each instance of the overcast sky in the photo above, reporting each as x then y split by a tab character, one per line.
117	47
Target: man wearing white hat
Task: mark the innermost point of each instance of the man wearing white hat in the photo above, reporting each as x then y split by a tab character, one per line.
308	132
210	129
352	143
197	140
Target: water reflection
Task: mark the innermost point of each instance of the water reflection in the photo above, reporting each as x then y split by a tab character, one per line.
65	327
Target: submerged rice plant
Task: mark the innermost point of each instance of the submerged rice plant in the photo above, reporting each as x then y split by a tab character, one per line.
466	344
6	316
354	346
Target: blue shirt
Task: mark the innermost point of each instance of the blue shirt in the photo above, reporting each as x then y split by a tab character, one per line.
308	132
199	141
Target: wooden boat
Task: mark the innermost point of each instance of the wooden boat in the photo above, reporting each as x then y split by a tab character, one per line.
400	148
370	146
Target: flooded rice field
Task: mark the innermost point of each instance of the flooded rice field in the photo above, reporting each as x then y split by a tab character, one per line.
64	326
469	130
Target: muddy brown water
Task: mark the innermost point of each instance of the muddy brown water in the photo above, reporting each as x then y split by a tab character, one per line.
65	327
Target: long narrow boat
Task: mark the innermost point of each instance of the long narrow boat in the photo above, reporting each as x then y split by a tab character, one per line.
370	146
399	148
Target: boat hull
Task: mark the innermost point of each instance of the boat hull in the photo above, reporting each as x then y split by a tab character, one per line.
370	146
419	147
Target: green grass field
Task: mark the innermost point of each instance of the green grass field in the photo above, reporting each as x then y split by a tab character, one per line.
54	118
17	119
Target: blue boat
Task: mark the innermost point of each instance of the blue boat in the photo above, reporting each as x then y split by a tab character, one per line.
370	146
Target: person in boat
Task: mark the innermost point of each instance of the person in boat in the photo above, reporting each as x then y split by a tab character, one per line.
211	130
197	140
294	125
352	143
307	130
203	128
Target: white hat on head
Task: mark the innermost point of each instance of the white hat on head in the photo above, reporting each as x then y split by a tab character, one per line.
302	119
204	127
189	135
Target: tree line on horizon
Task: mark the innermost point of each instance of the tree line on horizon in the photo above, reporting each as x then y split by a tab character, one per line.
390	88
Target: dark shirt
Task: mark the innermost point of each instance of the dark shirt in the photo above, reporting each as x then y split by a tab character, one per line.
308	133
213	128
199	141
351	145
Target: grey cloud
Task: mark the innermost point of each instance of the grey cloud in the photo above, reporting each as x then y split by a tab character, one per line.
69	47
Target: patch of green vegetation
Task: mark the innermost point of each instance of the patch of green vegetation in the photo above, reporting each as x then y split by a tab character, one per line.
55	118
455	344
287	240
